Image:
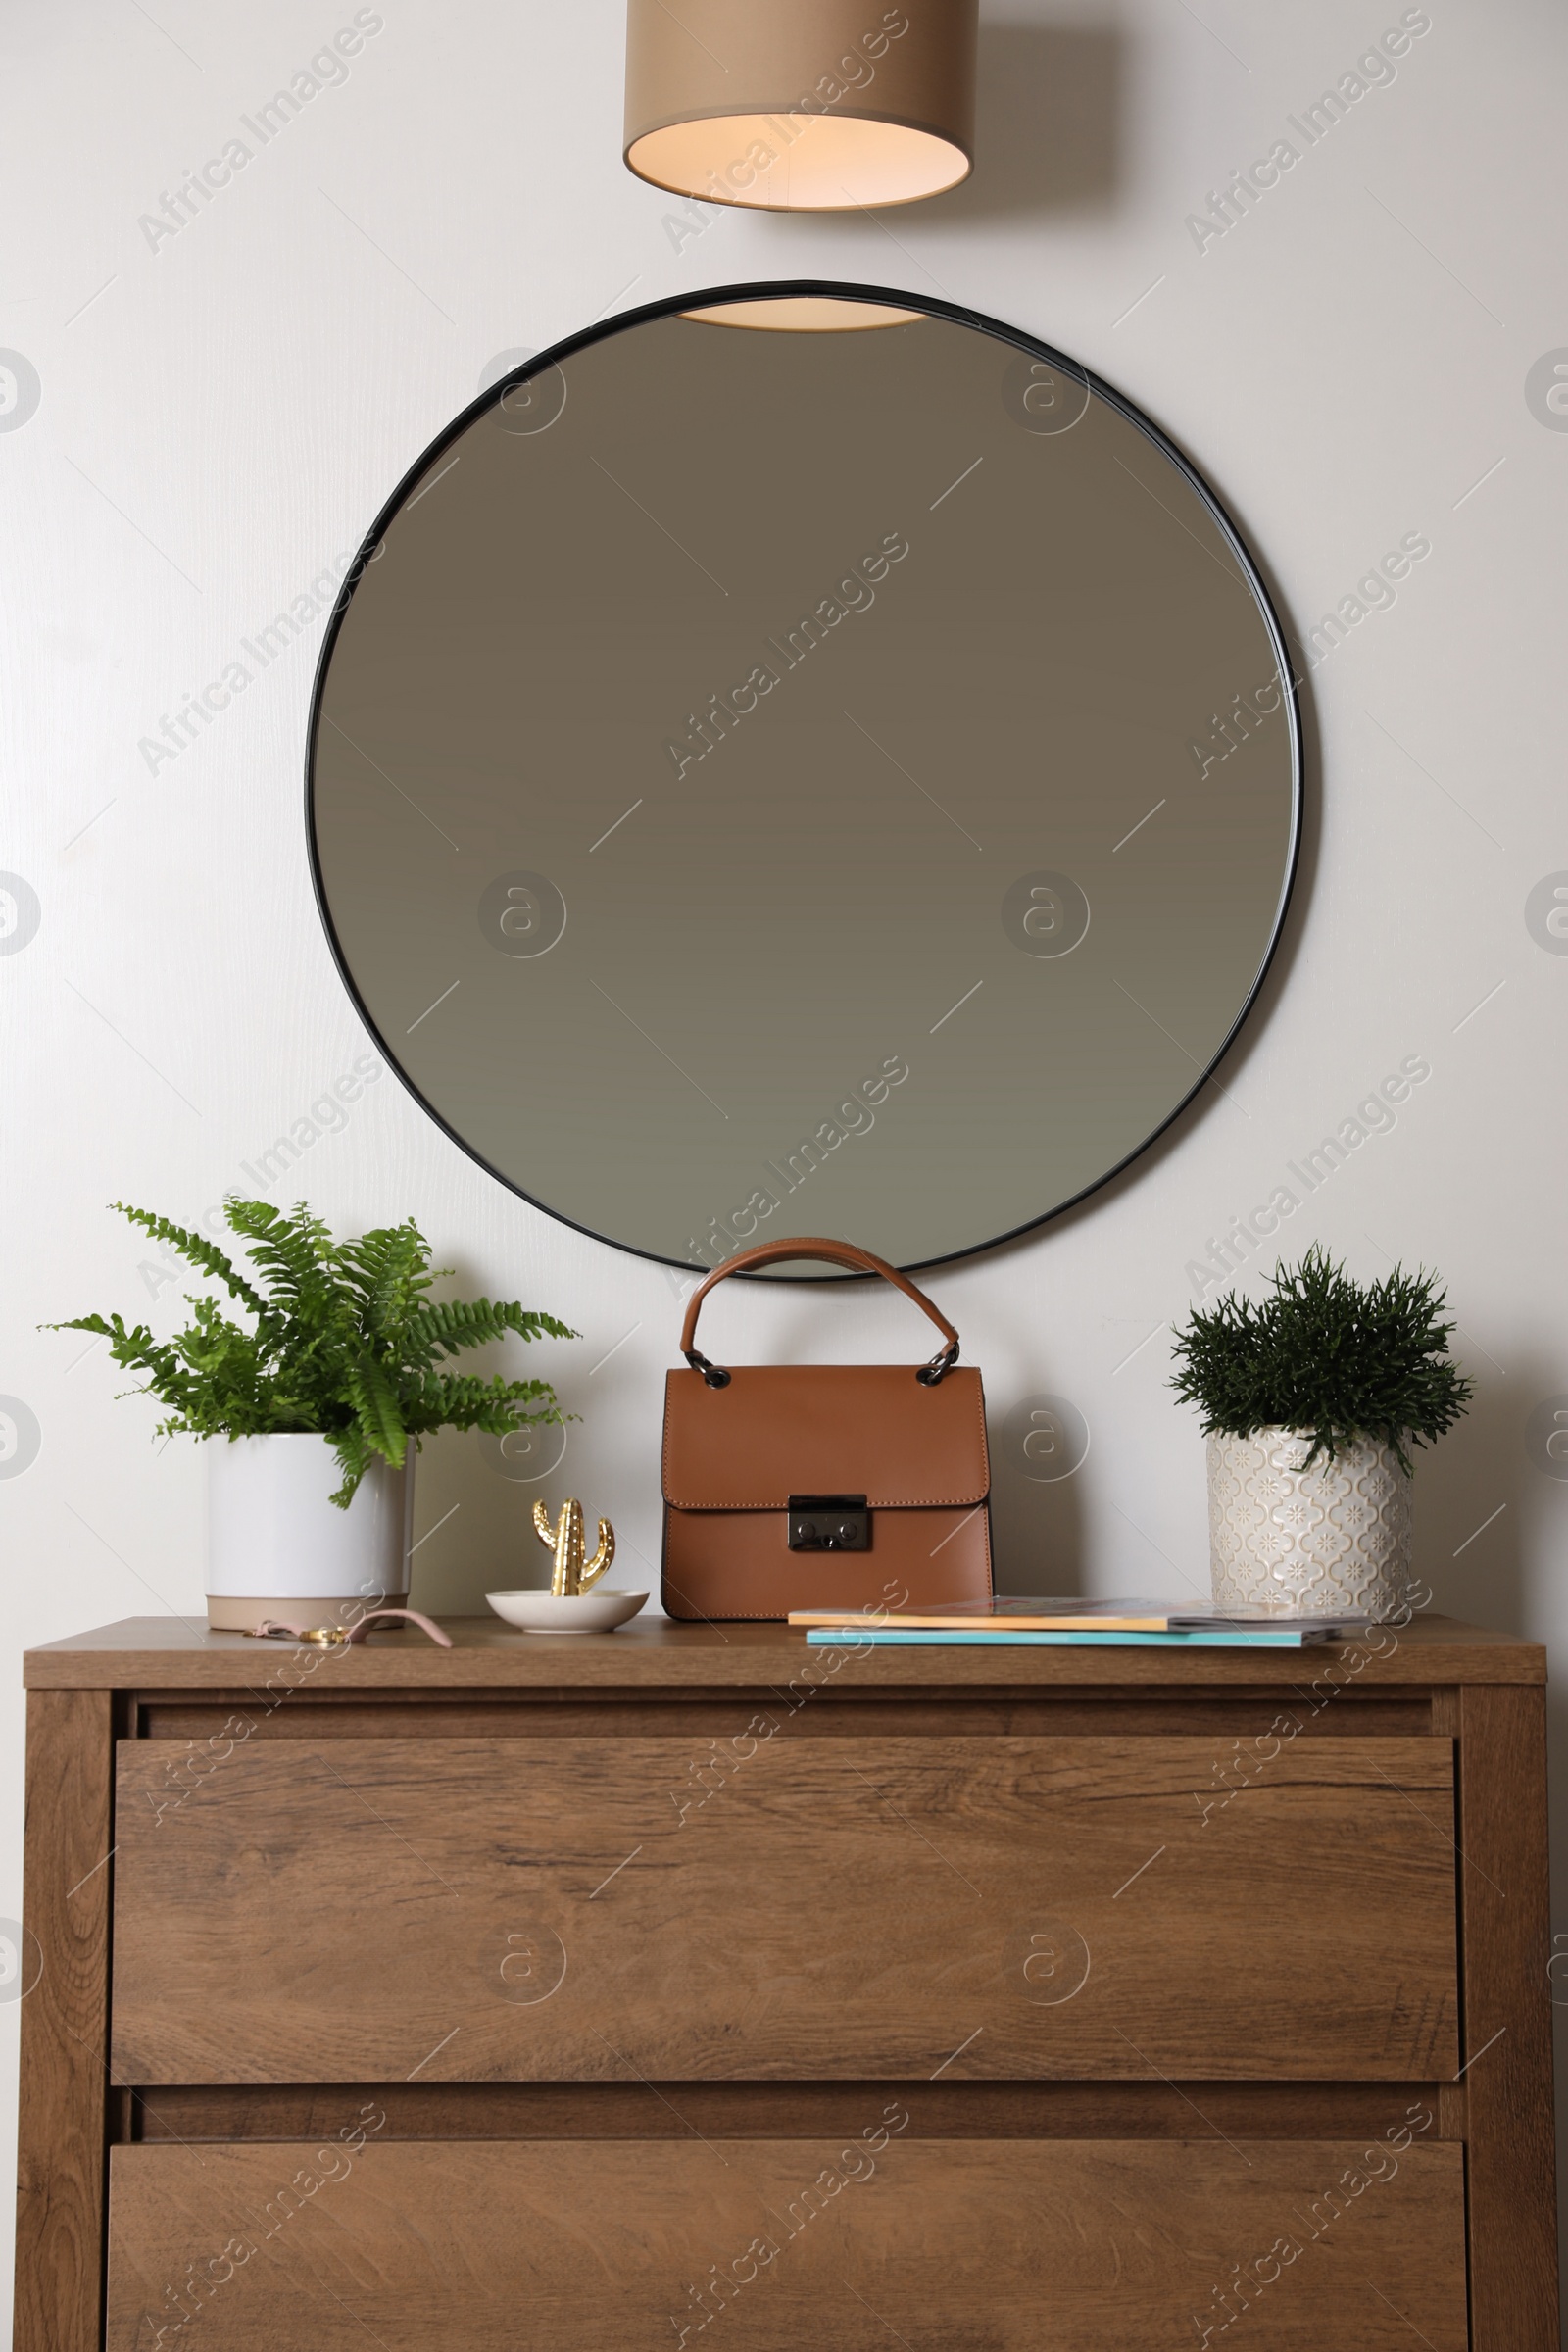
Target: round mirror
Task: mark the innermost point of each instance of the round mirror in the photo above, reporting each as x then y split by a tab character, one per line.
807	763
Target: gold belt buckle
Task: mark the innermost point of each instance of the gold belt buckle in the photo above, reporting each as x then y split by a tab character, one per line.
320	1637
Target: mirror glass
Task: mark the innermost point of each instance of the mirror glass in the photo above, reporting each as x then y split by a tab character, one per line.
810	766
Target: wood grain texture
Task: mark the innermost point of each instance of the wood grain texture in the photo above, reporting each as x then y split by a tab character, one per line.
64	2018
445	1715
1507	1931
713	2111
851	2244
986	1908
161	1652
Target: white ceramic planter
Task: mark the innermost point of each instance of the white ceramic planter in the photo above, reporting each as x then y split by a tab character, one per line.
279	1547
1331	1541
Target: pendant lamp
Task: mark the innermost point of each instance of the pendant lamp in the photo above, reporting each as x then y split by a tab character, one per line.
801	105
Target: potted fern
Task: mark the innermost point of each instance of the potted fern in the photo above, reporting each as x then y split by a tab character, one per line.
315	1405
1311	1398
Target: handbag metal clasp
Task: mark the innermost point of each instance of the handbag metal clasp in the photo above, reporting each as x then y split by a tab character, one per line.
830	1523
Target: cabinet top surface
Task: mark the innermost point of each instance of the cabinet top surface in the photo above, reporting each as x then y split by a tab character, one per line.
651	1653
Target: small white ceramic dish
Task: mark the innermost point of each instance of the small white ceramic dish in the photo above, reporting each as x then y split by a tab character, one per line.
595	1612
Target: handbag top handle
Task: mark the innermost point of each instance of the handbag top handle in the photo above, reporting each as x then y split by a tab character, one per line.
834	1253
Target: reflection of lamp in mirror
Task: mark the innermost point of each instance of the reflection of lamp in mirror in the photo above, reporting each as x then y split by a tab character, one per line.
801	105
816	314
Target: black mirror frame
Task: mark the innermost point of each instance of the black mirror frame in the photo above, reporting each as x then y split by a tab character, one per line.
846	291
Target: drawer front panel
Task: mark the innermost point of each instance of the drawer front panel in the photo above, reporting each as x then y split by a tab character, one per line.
848	2244
550	1910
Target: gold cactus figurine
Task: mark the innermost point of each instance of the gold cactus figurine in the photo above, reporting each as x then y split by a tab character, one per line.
573	1573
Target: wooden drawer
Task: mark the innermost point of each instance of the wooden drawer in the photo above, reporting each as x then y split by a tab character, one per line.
952	2246
882	1907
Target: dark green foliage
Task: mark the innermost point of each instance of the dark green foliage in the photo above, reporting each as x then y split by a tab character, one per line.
345	1342
1327	1354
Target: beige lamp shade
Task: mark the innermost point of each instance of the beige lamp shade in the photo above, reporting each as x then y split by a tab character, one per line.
801	105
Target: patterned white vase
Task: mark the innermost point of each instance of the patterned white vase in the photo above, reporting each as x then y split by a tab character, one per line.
1331	1541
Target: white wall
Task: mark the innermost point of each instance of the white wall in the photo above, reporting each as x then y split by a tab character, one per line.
221	413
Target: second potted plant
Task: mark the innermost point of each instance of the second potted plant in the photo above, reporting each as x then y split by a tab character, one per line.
318	1402
1311	1397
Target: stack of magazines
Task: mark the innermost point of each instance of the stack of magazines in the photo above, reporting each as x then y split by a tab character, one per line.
1069	1624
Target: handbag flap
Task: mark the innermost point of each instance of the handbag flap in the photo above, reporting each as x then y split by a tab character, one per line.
779	1430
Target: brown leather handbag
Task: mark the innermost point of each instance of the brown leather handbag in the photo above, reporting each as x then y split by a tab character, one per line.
823	1485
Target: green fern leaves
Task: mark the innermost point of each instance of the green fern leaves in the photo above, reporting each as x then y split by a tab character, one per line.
345	1342
198	1249
1326	1354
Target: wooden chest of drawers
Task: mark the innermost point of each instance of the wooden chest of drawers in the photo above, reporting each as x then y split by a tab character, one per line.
588	1994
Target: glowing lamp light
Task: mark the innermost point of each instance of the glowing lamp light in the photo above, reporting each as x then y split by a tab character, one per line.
801	105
